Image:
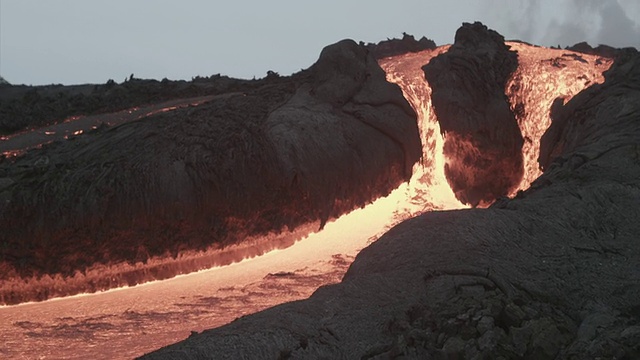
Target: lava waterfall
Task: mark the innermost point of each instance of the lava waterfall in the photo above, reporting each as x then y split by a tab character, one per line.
482	126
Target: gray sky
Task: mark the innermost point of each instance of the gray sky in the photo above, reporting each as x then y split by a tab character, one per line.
84	41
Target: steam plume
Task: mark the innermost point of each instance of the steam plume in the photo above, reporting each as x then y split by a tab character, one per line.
610	22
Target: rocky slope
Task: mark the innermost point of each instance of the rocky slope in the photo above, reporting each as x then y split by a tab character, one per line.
550	274
293	151
26	107
408	43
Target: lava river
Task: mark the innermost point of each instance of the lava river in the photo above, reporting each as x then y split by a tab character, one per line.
128	322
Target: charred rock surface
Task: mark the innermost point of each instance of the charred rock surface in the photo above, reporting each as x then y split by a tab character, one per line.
600	50
551	274
295	151
483	143
408	43
26	107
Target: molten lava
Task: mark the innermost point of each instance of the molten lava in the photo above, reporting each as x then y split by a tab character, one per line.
428	188
544	75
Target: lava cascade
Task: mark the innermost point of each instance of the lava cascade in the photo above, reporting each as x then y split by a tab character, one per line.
428	188
543	76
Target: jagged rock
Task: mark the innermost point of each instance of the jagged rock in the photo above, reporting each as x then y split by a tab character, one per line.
600	50
485	324
552	257
489	340
295	151
512	315
546	339
454	347
408	43
24	106
483	143
592	324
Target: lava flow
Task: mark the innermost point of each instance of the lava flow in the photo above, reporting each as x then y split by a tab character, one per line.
131	321
544	75
428	188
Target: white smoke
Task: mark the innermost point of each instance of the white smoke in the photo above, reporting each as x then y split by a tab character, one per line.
566	22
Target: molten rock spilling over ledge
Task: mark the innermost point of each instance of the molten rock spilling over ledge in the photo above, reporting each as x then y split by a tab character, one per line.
129	203
552	273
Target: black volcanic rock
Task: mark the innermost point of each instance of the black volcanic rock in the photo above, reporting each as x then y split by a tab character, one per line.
26	107
293	151
551	274
408	43
483	143
600	50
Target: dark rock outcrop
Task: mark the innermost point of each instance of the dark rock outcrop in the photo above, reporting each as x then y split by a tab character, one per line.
551	274
299	150
26	107
600	50
483	143
408	43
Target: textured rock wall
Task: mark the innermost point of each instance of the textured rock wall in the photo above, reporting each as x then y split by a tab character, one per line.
26	107
294	151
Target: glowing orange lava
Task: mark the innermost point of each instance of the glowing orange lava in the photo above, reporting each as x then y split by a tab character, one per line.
428	188
544	75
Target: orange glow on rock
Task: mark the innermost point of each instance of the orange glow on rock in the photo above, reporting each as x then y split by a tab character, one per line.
428	188
544	75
